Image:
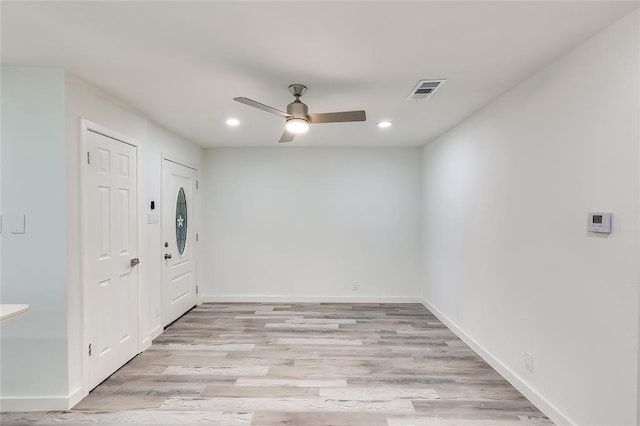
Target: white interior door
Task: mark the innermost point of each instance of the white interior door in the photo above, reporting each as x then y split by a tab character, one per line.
111	242
178	239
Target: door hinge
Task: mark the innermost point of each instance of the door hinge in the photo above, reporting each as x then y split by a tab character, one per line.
88	158
196	236
196	289
196	184
89	349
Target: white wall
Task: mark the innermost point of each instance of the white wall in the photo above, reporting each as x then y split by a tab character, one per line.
162	143
306	223
85	101
33	264
88	102
507	258
41	111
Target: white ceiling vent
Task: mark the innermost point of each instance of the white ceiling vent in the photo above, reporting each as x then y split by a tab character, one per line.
425	89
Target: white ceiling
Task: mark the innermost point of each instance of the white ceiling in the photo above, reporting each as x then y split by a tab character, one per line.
181	63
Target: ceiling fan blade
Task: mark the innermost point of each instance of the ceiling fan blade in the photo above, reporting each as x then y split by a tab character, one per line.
263	107
287	136
337	117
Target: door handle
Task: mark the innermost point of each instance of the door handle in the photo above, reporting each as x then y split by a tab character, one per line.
134	261
167	256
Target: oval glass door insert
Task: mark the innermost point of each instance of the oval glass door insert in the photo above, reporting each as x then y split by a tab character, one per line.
181	221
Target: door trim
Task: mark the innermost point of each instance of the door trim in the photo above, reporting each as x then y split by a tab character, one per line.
85	127
180	163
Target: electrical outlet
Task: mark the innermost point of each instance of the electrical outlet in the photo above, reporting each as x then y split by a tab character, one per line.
355	286
528	362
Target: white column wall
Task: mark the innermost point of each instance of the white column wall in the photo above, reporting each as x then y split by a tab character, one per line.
33	263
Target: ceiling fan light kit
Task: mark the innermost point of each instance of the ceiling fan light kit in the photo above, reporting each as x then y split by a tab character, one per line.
297	125
297	117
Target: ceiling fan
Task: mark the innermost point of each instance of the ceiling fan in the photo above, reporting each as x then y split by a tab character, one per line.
297	116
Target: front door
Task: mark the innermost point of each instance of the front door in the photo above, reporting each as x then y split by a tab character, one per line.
111	239
178	240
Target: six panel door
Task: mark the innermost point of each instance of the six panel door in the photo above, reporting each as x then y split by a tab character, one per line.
112	242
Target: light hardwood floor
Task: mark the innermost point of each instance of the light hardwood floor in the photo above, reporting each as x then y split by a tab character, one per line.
306	364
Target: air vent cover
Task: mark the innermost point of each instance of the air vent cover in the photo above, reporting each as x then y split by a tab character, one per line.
425	89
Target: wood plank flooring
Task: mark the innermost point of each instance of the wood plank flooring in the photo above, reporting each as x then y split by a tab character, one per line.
309	364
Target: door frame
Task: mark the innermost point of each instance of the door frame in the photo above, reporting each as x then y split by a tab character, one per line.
196	201
87	126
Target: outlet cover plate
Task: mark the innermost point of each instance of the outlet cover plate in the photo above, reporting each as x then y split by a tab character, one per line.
528	362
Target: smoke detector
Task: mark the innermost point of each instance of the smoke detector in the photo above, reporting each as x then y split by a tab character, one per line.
425	89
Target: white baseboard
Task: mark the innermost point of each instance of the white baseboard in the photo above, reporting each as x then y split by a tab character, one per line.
523	387
146	343
41	403
75	397
308	299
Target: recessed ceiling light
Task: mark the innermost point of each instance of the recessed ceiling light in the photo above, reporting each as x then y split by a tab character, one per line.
233	122
384	124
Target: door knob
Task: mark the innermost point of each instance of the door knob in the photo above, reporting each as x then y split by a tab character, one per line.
134	261
167	256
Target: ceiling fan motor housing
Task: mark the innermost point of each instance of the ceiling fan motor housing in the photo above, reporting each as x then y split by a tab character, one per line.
297	109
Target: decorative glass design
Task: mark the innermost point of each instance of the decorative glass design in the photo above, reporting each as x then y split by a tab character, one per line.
181	221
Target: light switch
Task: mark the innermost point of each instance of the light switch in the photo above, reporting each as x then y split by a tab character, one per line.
17	224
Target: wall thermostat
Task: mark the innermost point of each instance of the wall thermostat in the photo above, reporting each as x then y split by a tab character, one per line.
599	222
